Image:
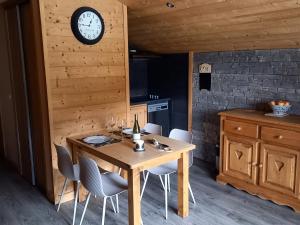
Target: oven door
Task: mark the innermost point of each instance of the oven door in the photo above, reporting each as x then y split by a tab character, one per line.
160	114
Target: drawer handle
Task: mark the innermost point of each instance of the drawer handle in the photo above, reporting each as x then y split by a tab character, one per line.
238	128
260	165
279	137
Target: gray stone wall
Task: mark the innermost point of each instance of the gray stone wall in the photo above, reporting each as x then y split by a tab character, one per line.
241	79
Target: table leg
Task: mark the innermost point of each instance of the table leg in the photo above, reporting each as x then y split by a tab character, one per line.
183	181
134	201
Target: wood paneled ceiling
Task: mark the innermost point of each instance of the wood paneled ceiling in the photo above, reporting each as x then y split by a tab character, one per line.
213	25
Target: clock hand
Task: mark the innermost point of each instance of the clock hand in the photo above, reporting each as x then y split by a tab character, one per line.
90	23
84	25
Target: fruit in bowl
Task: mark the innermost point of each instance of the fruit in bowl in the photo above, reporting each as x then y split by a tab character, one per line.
280	107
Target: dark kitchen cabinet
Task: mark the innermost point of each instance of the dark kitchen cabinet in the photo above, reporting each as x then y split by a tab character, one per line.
168	78
165	76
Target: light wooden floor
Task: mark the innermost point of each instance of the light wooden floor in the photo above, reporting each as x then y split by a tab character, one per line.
21	204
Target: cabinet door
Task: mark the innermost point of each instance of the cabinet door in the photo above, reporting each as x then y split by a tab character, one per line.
240	158
279	168
141	111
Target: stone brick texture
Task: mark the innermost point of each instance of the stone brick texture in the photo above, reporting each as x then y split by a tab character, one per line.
241	79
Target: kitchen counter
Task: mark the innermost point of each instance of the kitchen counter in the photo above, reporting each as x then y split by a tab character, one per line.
145	100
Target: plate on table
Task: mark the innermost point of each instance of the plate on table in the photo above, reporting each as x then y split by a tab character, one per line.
99	139
129	131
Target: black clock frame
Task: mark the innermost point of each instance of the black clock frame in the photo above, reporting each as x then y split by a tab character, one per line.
75	29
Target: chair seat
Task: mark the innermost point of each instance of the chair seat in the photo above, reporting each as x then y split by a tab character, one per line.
113	184
164	169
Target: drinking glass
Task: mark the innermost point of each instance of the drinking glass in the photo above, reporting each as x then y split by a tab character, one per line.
121	126
113	124
110	124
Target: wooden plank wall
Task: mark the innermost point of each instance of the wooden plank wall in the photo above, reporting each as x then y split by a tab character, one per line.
86	84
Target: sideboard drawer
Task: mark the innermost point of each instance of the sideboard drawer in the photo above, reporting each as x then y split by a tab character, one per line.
281	136
241	128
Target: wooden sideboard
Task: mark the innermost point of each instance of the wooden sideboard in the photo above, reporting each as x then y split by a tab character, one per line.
141	111
261	155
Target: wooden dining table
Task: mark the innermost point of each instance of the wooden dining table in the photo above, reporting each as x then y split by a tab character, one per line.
122	154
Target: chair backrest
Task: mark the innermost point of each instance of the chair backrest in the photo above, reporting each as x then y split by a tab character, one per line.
153	128
183	135
90	176
65	164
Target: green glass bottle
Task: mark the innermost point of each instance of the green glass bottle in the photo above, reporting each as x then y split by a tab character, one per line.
136	131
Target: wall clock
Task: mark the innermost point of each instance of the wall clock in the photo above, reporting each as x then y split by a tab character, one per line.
87	25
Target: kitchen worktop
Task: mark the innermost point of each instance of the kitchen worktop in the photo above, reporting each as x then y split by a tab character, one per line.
146	100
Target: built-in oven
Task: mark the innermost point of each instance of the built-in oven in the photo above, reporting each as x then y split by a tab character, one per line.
159	113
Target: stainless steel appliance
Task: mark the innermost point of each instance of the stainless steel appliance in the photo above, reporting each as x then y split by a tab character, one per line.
159	113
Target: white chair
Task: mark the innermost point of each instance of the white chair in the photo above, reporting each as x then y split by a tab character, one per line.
105	185
70	172
152	128
170	168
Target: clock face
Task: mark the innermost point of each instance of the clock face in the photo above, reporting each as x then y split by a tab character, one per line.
87	25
